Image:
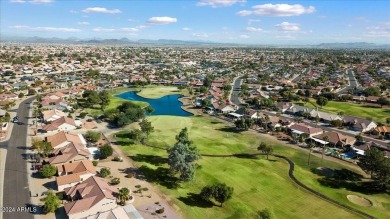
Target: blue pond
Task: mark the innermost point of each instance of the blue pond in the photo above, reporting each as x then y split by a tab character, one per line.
166	105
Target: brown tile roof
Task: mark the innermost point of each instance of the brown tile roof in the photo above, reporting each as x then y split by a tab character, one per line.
67	179
62	137
58	122
90	192
50	113
65	154
336	137
77	167
385	129
305	128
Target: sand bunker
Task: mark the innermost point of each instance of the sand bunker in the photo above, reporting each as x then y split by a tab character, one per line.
359	200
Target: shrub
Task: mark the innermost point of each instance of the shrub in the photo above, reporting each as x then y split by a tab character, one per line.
52	202
105	151
115	181
95	163
160	211
138	186
48	171
264	214
92	136
104	172
117	159
129	175
145	189
83	114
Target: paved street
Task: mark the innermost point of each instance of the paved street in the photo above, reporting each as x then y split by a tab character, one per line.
303	73
15	191
234	98
352	82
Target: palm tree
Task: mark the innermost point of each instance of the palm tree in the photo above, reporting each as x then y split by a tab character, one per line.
326	138
124	194
310	145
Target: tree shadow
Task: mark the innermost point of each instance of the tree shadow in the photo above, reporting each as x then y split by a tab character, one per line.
230	129
50	185
193	200
160	175
347	179
245	156
152	159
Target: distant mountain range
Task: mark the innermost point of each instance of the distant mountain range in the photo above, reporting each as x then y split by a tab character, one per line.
167	42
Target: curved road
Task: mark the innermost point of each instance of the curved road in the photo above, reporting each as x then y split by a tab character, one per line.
15	189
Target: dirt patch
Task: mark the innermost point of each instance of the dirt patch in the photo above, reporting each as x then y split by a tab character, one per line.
359	200
323	171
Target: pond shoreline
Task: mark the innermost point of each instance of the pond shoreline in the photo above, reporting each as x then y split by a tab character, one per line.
173	104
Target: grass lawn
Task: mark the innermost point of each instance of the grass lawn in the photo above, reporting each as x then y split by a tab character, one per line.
155	92
116	101
353	109
258	183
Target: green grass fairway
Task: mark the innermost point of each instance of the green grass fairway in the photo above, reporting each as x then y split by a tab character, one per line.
358	110
116	101
155	92
258	183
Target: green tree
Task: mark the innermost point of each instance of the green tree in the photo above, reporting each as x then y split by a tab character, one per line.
206	102
105	151
371	162
220	192
266	149
21	95
182	155
146	127
104	99
383	101
124	194
149	109
336	123
52	202
388	121
322	101
264	214
372	91
48	171
93	136
104	172
359	138
31	92
311	145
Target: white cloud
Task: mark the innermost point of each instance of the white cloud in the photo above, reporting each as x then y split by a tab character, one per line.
17	1
83	23
41	1
111	30
243	36
32	1
161	20
251	21
253	29
102	10
100	29
382	31
286	26
186	29
277	10
244	13
46	29
219	3
200	35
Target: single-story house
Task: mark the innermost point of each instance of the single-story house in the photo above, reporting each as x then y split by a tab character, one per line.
51	115
62	139
335	138
301	128
359	124
91	196
62	124
69	174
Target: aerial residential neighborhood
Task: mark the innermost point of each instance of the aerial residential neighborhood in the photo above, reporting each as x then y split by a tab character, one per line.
114	127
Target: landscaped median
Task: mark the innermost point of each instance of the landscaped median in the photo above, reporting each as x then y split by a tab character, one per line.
258	183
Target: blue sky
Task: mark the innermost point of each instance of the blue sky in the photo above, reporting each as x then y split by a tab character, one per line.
230	21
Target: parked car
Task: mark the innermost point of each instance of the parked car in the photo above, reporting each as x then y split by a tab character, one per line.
15	119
